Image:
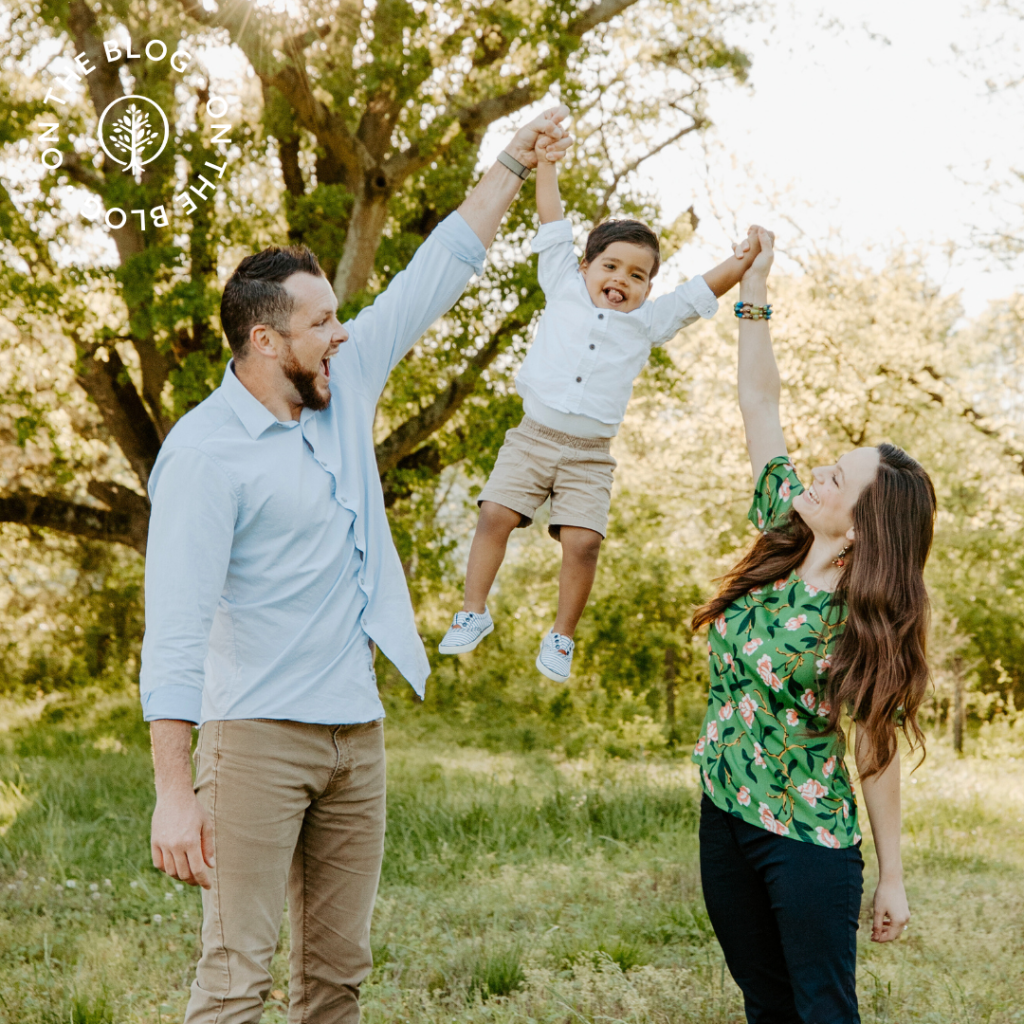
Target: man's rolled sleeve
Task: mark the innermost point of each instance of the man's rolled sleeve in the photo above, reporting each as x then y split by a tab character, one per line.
689	302
191	529
434	280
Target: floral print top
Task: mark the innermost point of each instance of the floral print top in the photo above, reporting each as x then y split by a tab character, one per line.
769	656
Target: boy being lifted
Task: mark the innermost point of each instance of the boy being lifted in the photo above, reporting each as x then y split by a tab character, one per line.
593	339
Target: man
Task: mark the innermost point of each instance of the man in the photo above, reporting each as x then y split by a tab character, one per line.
270	574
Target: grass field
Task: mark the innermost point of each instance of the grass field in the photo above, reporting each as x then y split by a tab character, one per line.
517	887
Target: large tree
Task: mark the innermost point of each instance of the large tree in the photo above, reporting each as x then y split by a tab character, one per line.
355	130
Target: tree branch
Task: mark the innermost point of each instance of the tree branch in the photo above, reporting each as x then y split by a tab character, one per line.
125	415
126	522
598	14
404	439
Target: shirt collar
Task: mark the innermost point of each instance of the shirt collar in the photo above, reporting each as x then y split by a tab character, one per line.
255	416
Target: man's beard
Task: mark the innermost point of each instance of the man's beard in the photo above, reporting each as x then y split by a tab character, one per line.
305	382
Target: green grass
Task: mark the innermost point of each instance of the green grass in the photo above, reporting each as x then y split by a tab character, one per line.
517	887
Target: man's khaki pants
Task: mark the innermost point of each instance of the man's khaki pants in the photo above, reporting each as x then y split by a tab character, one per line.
297	810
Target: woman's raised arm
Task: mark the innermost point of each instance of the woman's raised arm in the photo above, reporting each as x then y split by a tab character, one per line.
759	386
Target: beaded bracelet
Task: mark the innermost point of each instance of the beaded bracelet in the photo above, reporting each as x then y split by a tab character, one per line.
748	311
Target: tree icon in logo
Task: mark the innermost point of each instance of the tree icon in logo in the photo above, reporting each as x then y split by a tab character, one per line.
130	134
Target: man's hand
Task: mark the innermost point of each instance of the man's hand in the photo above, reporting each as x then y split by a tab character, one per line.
545	129
182	838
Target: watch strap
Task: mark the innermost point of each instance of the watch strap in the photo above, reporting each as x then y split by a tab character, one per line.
518	169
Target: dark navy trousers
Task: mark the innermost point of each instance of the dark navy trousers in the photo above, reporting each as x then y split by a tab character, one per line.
785	913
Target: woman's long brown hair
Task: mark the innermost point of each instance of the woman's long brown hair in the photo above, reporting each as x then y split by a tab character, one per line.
879	668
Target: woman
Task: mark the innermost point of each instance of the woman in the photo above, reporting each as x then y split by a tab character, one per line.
828	611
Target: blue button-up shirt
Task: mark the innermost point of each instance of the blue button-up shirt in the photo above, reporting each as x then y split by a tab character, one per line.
270	565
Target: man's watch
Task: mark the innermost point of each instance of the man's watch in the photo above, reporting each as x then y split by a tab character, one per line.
518	169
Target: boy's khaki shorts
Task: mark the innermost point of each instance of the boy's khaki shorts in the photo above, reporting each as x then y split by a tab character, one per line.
535	462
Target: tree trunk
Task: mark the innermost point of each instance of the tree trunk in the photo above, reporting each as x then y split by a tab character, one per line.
365	229
671	662
958	705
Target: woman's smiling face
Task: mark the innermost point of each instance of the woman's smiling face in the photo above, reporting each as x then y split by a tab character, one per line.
620	277
826	506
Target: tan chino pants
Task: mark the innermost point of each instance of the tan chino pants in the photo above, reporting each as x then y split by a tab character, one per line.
297	810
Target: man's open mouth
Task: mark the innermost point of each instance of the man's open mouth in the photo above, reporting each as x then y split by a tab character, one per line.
325	366
614	296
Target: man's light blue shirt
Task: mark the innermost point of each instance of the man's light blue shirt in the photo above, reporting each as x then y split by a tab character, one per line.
270	565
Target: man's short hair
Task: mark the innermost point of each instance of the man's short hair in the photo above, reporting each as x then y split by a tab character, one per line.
255	292
635	232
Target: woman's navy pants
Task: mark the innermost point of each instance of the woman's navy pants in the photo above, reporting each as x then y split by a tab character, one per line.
785	913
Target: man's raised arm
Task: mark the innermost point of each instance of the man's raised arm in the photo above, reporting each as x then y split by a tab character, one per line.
437	275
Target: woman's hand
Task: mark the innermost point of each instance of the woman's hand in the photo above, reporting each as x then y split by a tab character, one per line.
892	912
759	269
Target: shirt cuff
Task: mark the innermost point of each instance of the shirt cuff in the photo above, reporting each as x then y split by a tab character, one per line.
461	241
555	232
183	703
700	296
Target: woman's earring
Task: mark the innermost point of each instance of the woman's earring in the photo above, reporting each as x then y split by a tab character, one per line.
840	560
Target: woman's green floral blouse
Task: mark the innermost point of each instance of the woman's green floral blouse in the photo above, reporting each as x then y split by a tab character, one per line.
769	655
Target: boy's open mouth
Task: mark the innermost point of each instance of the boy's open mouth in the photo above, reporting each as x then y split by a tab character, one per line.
614	296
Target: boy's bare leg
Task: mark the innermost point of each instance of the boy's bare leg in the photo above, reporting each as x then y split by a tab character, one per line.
487	552
580	548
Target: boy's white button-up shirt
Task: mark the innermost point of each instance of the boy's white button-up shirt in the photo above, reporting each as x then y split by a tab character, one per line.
270	564
584	359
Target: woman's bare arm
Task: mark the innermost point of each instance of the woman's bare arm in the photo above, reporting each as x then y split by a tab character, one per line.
758	380
882	798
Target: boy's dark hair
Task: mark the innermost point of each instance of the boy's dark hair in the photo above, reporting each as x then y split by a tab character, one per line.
632	231
255	293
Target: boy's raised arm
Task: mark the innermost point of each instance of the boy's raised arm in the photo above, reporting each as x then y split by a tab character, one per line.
549	201
728	273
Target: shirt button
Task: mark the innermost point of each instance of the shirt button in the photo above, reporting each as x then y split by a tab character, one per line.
600	316
591	346
579	380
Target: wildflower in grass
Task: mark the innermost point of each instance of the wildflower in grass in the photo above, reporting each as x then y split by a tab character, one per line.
812	791
744	796
94	887
168	895
108	884
71	883
94	895
157	919
826	838
179	887
134	885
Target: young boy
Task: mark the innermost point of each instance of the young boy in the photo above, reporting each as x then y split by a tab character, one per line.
593	339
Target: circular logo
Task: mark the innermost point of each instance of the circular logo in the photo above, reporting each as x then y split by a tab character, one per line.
133	131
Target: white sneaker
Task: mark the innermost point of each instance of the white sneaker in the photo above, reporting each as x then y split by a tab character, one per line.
465	632
555	657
